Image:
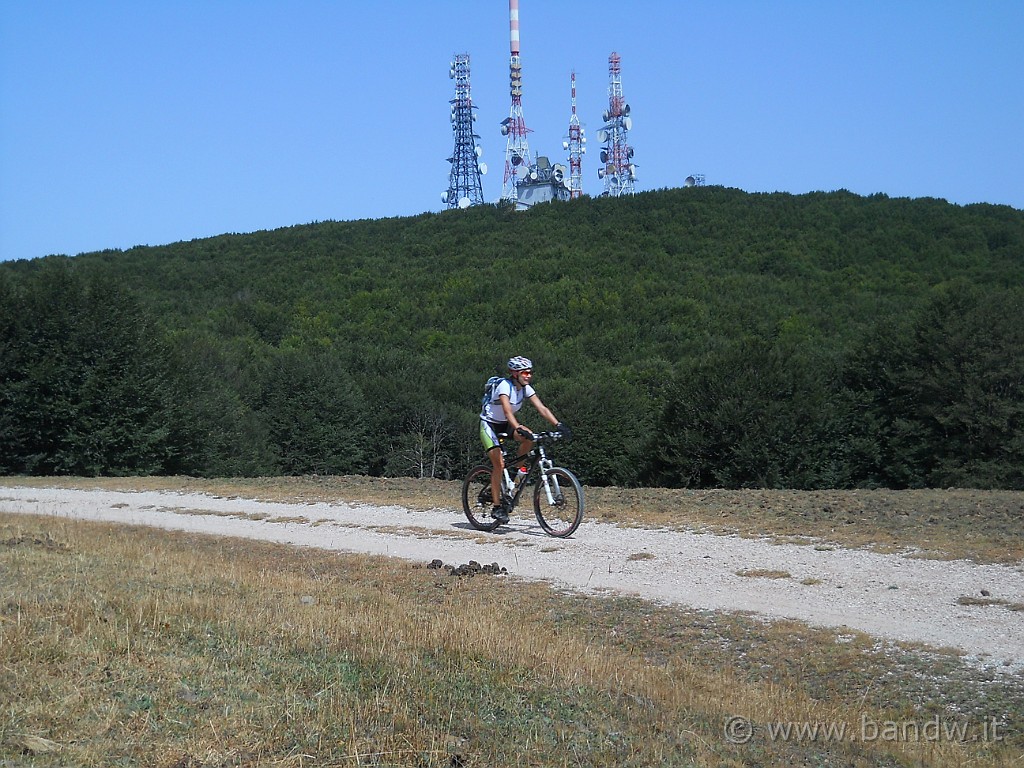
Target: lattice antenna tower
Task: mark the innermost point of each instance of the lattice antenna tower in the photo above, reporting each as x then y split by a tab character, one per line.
576	143
618	169
517	150
465	186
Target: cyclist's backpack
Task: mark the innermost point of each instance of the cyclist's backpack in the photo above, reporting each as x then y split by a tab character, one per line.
489	389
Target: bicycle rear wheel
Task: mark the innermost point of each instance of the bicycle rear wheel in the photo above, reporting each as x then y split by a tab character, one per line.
561	514
476	498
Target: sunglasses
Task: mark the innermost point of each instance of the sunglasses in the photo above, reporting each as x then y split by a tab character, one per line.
529	373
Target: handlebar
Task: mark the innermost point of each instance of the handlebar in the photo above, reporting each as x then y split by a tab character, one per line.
548	437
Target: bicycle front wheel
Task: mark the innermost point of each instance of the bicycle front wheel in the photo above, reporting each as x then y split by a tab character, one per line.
559	506
476	498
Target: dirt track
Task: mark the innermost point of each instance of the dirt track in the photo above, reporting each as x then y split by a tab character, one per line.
958	604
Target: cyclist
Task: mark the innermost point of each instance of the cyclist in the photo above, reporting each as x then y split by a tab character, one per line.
499	415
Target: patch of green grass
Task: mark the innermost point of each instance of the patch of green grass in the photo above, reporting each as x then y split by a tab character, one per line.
763	573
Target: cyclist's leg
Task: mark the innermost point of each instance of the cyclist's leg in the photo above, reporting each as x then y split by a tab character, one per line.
525	444
492	445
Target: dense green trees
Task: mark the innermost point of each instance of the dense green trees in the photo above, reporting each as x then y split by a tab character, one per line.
691	337
85	382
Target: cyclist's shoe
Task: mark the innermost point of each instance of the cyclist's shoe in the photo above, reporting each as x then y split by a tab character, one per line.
500	514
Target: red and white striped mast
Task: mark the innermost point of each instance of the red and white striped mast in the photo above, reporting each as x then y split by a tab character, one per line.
517	150
618	171
576	144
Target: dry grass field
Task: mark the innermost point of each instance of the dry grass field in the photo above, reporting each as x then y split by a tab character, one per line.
124	646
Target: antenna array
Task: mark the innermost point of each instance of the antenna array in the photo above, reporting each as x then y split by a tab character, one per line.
517	149
618	169
465	187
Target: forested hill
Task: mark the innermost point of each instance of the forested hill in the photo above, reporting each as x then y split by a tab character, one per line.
701	336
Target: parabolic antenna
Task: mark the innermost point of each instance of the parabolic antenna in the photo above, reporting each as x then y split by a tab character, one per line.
625	109
483	169
604	156
565	145
522	172
690	181
464	202
478	150
627	122
602	135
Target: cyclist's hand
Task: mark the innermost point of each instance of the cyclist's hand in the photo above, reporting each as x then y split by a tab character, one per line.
524	432
565	431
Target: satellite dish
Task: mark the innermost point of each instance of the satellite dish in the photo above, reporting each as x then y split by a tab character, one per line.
690	181
605	115
630	152
522	172
602	135
533	175
625	109
558	174
504	130
464	202
444	196
516	159
604	156
565	145
478	150
483	169
627	122
451	72
600	173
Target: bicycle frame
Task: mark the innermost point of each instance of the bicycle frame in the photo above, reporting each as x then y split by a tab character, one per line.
535	457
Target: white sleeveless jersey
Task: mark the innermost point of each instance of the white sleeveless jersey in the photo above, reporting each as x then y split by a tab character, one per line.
516	397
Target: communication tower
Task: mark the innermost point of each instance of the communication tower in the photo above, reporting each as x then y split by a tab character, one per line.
576	143
618	169
517	150
465	187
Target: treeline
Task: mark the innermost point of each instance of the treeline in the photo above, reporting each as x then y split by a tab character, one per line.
699	337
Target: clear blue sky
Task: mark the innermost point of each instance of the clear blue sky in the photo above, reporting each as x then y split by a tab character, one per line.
144	123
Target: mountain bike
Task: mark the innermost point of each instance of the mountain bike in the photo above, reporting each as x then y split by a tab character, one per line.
557	494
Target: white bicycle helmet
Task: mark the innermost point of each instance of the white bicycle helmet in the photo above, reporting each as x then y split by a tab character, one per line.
520	363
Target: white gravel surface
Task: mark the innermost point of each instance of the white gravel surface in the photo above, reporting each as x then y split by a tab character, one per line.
888	596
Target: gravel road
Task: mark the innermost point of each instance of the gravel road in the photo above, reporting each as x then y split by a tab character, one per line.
888	596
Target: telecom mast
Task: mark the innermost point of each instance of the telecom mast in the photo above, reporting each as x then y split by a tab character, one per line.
618	171
517	150
464	184
576	143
